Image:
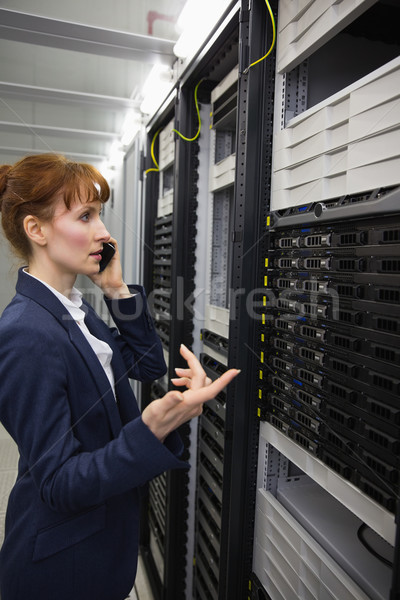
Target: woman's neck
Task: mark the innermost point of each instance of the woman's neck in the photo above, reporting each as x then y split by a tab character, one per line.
62	282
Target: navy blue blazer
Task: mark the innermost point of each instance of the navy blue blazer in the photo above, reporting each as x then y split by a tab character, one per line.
72	517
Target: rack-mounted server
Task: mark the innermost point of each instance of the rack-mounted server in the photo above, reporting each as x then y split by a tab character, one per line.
162	265
329	338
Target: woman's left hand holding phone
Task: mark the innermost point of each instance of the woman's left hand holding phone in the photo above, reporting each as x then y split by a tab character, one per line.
110	280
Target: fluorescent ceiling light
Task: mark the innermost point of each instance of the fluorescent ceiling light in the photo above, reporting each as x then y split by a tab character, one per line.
156	88
130	126
107	171
196	21
116	155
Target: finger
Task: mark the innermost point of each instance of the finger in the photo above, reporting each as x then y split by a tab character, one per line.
191	359
198	374
211	391
183	372
219	384
114	242
171	399
181	381
185	375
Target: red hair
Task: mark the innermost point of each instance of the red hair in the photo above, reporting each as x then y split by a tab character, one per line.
31	187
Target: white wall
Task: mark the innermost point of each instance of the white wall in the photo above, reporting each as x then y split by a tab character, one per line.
8	273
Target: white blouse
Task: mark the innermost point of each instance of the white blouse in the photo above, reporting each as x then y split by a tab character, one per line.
100	348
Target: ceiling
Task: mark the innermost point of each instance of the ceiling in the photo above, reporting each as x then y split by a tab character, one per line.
70	71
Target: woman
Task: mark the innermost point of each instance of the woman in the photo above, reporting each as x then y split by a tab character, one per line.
85	450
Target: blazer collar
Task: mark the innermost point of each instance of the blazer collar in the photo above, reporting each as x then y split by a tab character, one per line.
39	293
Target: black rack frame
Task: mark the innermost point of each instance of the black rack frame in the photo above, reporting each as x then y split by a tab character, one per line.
252	191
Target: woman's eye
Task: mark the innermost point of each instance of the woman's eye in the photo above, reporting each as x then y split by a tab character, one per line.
85	217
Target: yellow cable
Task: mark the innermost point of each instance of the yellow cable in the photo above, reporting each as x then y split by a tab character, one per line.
198	116
152	148
152	153
273	40
157	169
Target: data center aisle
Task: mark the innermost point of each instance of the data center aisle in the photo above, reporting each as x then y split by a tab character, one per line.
8	473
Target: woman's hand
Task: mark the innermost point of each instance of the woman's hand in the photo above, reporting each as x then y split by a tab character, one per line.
175	408
110	280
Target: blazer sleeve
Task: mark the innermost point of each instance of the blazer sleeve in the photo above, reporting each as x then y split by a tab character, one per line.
35	409
136	336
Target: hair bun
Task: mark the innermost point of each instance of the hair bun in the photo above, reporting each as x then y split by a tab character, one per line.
4	171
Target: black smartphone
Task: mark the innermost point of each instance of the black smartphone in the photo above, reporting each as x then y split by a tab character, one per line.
106	255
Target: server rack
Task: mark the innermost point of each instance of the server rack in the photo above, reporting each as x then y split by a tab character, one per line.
252	190
220	570
298	432
168	539
227	436
212	464
223	518
327	337
216	69
187	232
328	354
164	516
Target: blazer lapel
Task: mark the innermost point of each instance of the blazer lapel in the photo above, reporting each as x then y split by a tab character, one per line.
34	289
127	405
106	394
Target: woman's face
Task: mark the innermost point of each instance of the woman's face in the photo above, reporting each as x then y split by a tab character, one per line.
75	237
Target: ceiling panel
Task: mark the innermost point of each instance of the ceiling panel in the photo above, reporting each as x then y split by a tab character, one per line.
135	16
69	71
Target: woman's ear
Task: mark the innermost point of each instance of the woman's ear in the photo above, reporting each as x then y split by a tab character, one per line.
33	230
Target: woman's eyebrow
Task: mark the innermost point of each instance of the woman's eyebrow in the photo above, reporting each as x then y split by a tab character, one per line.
92	206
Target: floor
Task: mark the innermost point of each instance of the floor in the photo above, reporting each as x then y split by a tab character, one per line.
8	471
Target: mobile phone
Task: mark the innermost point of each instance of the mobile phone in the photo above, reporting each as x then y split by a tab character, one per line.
106	255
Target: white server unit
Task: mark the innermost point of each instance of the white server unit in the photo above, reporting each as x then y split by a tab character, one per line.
337	130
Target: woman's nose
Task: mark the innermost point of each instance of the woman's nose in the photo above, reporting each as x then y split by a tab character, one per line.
102	232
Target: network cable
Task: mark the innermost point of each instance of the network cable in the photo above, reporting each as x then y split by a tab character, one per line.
360	534
198	116
157	168
273	41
